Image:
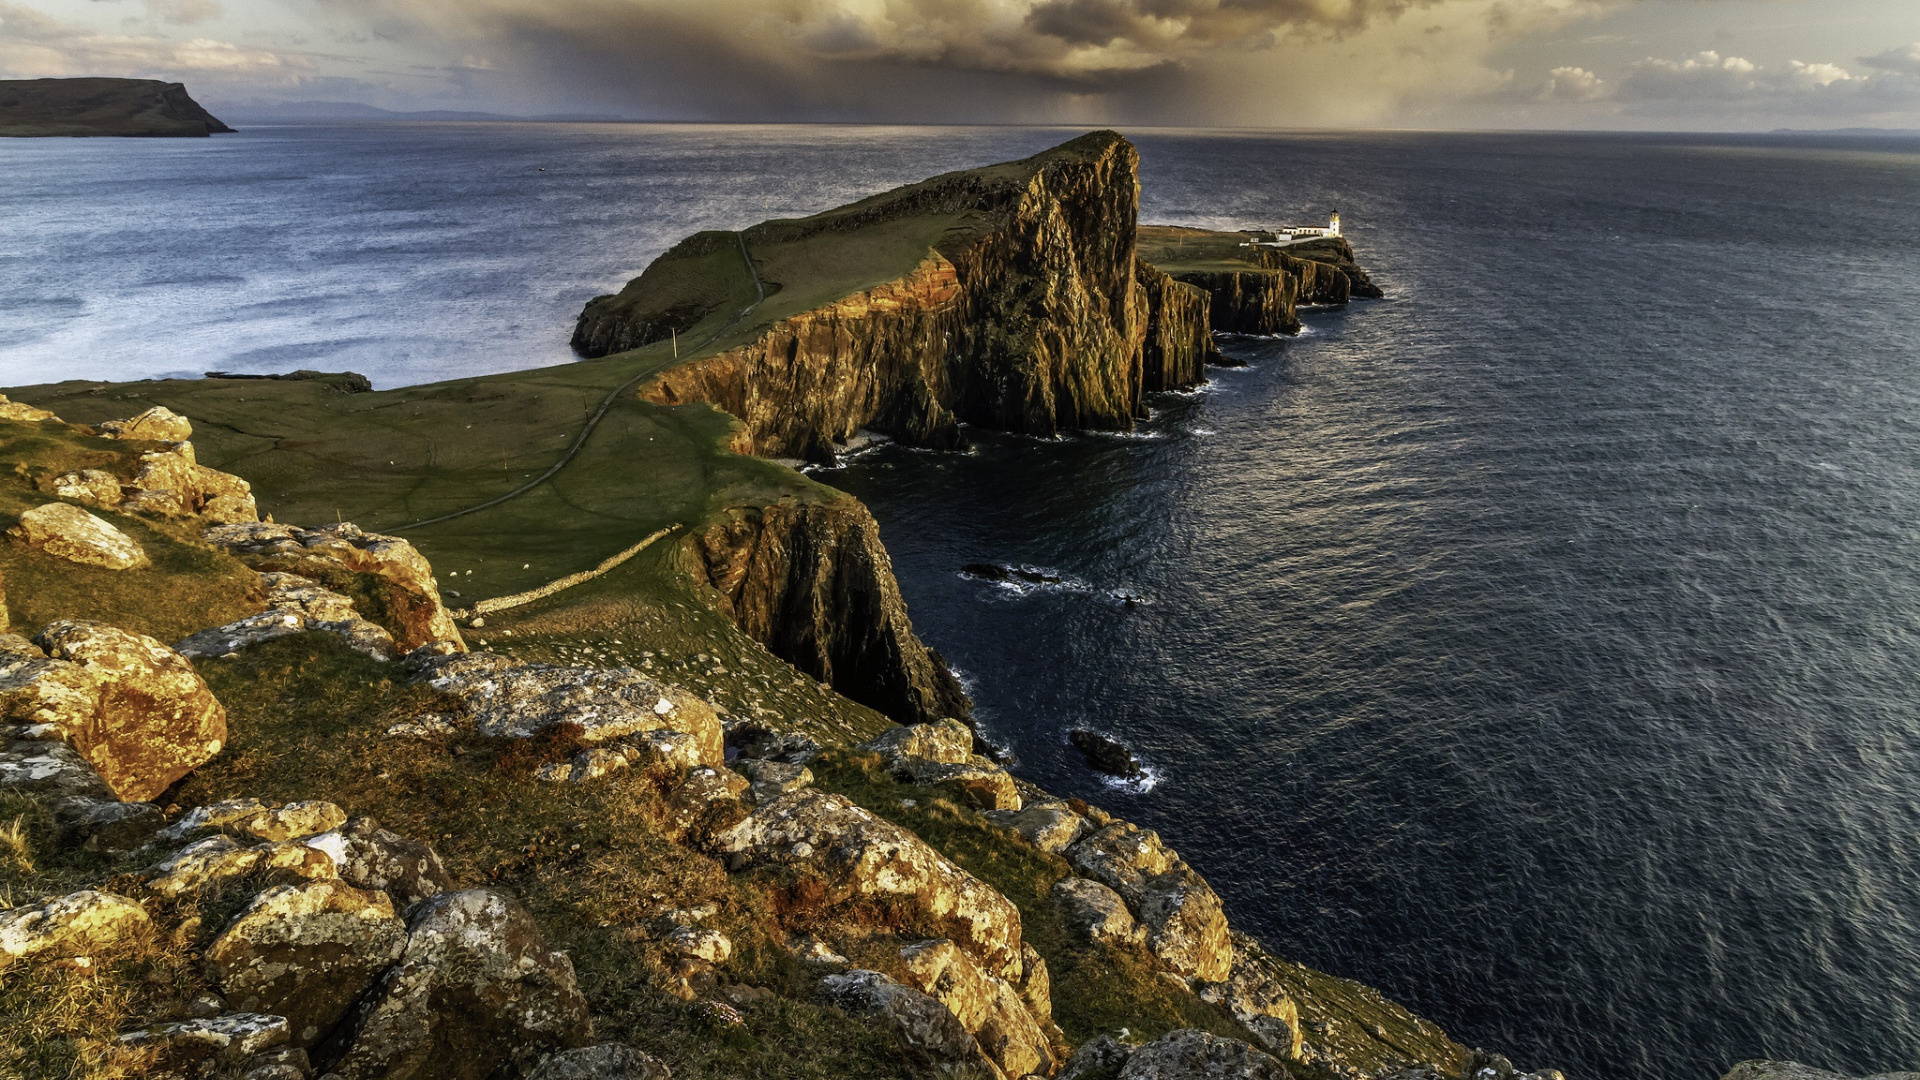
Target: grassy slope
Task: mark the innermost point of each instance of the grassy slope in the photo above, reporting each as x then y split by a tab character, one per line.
1177	249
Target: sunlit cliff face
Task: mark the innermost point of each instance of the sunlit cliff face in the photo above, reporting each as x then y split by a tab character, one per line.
1260	63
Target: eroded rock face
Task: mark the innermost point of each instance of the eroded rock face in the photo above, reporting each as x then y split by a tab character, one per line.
607	1061
503	697
1182	916
133	708
65	531
1260	1002
988	1007
369	857
333	555
852	853
77	924
476	991
306	952
922	1022
1191	1054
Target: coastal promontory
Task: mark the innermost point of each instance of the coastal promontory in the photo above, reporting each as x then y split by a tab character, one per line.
100	106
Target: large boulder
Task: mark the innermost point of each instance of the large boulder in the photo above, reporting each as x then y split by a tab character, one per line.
920	1021
369	857
77	924
1095	910
21	411
475	994
336	556
987	1006
133	708
1185	924
1051	826
946	741
65	531
1192	1054
306	952
854	854
503	697
941	752
158	424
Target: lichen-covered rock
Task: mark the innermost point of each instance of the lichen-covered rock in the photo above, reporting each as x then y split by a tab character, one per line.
708	798
306	952
77	924
921	1022
95	487
47	768
1182	916
369	857
475	993
204	1045
1095	910
503	697
1793	1070
65	531
104	824
981	783
133	708
218	858
700	943
607	1061
1101	1054
853	853
294	604
1192	1054
987	1006
158	424
772	779
1260	1002
333	556
240	634
1050	826
947	741
261	820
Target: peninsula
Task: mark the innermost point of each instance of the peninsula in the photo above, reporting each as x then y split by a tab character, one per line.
638	770
95	106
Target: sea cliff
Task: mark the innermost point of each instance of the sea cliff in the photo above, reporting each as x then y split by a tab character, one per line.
95	106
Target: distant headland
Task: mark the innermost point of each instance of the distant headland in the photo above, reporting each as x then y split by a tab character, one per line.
141	107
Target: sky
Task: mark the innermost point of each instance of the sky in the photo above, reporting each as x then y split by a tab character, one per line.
1735	65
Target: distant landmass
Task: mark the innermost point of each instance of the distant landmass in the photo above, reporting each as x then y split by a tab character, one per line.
303	112
148	107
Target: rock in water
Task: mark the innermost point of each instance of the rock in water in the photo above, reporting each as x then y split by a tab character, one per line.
133	708
1793	1070
306	952
476	994
1106	753
65	531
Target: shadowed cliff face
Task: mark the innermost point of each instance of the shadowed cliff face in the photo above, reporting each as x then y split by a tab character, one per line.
97	106
814	585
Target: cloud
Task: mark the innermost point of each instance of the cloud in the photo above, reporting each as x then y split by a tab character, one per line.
1575	84
183	12
1710	85
1904	60
33	44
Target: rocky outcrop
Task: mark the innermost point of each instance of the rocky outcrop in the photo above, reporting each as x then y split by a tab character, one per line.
607	1061
476	993
134	709
1178	340
167	481
392	582
1180	913
67	532
158	424
21	412
987	1006
851	854
306	952
922	1023
369	857
102	106
505	698
1190	1054
294	605
813	584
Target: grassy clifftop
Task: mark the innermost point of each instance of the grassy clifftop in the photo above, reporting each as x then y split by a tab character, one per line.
39	107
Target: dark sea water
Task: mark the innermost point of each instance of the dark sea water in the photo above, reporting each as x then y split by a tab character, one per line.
1540	644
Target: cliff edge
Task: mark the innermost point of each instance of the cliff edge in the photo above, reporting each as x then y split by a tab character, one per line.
96	106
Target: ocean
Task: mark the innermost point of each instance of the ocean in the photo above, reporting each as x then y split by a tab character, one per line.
1539	644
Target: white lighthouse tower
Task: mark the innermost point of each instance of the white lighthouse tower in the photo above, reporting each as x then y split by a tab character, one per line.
1333	224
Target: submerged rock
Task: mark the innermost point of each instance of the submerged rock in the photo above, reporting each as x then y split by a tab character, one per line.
65	531
1106	753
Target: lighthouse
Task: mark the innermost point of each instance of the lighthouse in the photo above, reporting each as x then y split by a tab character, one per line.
1333	223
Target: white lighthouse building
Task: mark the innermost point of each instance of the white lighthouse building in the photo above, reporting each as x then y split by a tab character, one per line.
1294	234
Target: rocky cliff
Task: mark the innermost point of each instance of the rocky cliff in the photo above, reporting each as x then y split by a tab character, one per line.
102	107
1252	288
814	585
1008	297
